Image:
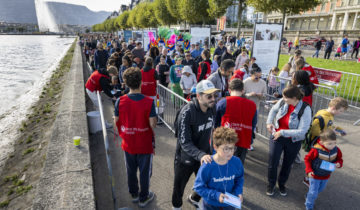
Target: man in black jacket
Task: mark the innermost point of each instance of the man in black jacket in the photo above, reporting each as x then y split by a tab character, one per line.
195	123
317	48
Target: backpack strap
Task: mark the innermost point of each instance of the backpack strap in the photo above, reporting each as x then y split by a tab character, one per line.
321	122
302	109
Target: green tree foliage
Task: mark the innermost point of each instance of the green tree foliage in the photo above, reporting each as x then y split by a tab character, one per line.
163	14
194	11
174	8
121	21
145	17
285	7
131	22
217	8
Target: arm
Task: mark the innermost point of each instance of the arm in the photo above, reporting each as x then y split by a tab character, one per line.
185	135
339	158
308	160
105	85
203	71
254	121
172	75
182	82
220	111
273	111
152	117
303	127
201	184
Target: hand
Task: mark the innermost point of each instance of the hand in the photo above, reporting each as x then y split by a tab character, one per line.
252	94
277	135
205	159
311	175
276	94
337	165
222	197
260	95
241	198
270	127
173	85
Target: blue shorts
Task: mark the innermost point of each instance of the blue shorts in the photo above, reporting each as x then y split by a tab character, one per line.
344	49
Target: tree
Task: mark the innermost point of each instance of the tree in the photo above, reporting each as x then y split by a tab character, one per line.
153	21
194	11
121	21
217	8
285	7
241	7
163	14
174	8
131	22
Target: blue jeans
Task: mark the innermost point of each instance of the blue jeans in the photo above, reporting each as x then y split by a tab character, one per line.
316	186
316	53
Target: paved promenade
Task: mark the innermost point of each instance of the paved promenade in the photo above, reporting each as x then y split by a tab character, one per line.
342	192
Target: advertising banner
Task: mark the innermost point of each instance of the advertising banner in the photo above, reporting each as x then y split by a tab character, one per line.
266	45
138	36
328	77
201	35
127	36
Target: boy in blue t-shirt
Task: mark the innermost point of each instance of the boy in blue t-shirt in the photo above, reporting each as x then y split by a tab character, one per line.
225	174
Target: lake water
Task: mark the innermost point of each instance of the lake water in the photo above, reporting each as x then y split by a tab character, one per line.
26	63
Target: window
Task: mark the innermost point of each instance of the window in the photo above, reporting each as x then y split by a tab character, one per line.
323	6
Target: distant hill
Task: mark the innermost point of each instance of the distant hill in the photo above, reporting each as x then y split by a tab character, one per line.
23	11
76	14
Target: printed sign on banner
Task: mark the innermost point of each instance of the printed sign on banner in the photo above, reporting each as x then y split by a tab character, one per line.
200	34
147	38
127	36
328	77
138	36
266	45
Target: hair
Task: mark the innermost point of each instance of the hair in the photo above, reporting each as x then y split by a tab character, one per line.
300	63
132	77
139	43
255	69
339	103
149	62
111	62
154	51
227	64
293	91
112	70
221	42
273	69
286	67
125	57
303	78
163	56
206	53
222	135
297	52
236	85
328	135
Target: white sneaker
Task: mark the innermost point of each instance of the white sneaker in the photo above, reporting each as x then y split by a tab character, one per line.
174	208
196	204
251	148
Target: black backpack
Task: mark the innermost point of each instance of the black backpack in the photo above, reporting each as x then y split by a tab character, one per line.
308	141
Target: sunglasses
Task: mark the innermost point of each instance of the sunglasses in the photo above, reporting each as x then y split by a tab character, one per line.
210	96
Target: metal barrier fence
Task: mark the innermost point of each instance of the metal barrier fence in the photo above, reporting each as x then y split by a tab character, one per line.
168	104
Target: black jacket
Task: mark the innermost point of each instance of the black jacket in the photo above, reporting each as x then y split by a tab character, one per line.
194	132
105	83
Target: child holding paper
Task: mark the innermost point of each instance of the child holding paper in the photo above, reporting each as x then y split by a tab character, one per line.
220	182
319	163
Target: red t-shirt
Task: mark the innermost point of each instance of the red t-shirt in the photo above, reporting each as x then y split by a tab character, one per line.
284	121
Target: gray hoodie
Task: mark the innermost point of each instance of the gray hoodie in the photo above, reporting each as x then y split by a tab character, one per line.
186	83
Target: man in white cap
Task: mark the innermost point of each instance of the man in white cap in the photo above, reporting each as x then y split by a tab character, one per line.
195	122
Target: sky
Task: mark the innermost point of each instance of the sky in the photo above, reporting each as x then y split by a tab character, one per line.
98	5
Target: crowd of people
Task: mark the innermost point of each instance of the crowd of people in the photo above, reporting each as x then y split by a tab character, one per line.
224	101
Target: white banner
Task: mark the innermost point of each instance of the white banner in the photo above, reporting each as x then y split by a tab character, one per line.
200	35
147	39
266	45
138	36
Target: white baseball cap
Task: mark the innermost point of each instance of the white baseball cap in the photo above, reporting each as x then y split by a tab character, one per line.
205	86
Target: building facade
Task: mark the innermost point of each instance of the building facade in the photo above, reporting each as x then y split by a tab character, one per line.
331	15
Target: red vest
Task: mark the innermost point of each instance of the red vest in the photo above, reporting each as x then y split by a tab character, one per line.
134	126
309	69
93	83
148	83
239	115
208	70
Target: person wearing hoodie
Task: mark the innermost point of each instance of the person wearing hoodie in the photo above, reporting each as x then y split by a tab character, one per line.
100	80
187	81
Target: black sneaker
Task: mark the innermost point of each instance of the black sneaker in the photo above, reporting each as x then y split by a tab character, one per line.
150	198
135	198
193	202
270	190
282	190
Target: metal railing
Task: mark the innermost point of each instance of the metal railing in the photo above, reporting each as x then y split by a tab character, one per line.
107	151
168	104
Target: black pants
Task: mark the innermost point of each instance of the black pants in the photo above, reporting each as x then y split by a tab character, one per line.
356	54
241	153
290	150
327	54
144	163
182	175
